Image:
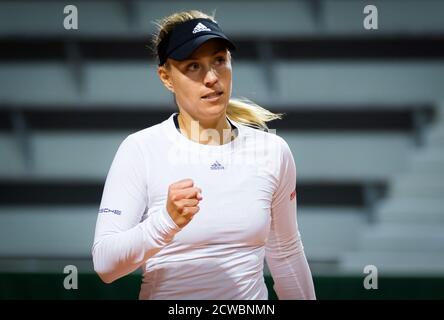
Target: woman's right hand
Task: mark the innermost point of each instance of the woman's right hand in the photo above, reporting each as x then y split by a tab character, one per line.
182	201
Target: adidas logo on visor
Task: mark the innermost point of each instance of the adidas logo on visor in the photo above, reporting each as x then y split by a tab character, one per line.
200	27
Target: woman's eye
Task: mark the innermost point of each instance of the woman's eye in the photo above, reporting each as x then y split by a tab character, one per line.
193	66
220	60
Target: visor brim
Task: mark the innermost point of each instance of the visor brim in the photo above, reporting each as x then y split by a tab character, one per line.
187	49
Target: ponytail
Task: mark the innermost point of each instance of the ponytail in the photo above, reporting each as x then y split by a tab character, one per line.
248	113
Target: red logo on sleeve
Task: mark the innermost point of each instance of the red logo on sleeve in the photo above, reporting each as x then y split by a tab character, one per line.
293	195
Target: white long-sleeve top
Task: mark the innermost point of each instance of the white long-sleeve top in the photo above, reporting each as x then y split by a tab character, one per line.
248	213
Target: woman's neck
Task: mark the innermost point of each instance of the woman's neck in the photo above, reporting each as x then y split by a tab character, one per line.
210	133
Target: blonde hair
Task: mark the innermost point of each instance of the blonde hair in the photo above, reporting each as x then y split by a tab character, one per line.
242	110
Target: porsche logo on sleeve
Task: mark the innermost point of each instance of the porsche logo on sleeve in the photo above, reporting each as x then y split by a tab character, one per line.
293	195
107	210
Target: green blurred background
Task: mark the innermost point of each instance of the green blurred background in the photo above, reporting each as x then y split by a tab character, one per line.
50	286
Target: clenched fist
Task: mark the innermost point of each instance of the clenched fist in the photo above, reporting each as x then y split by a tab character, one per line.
182	201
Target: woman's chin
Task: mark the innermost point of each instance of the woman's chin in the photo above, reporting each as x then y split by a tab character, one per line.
214	108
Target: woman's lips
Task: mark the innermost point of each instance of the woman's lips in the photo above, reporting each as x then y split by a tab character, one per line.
213	96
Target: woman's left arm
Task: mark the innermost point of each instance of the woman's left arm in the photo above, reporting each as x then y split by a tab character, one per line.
284	251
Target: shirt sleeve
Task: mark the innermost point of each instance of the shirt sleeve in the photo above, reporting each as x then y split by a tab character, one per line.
123	242
284	250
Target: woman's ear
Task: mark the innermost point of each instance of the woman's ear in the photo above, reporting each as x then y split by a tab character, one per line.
164	76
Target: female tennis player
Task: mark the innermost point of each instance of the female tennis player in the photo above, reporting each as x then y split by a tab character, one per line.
200	200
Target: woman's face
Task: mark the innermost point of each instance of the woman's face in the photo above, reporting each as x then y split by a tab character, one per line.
202	83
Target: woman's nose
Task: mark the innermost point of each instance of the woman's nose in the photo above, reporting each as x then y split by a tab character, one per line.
210	77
